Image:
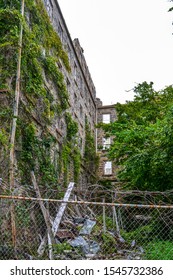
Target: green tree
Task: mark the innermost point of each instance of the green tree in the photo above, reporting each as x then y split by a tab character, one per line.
143	142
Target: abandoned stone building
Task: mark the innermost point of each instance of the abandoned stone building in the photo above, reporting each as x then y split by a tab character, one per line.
79	83
44	119
84	103
107	169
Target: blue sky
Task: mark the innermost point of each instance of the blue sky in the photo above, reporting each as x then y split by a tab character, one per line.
125	43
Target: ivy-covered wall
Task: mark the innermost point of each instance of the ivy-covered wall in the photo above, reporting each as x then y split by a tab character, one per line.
55	157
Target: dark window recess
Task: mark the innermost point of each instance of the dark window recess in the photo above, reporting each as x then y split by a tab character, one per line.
60	32
75	71
81	111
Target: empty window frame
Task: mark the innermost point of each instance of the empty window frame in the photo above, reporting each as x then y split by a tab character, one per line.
106	143
75	71
60	31
67	83
86	95
81	111
106	118
108	168
75	100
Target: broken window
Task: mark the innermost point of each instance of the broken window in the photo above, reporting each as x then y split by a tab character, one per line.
81	85
106	143
75	100
108	168
68	83
81	111
106	118
60	32
75	71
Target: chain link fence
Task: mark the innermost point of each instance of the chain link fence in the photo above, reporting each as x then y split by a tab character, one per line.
34	228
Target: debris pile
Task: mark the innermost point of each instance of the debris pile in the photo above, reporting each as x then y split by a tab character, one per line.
88	240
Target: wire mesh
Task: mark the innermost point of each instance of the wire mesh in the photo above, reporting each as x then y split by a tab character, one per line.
87	230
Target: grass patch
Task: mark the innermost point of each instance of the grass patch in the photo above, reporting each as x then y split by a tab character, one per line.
159	250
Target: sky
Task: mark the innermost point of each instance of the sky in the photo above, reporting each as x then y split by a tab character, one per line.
125	42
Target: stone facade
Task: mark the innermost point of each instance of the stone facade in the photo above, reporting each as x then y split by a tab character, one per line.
105	114
58	111
83	102
79	83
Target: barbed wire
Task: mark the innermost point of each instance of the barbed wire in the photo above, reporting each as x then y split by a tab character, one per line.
86	229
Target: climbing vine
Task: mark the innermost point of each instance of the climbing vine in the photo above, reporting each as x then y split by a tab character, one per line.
36	155
71	152
90	156
44	97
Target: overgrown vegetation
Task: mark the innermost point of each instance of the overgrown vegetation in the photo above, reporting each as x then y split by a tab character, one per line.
44	99
161	250
153	245
143	139
90	156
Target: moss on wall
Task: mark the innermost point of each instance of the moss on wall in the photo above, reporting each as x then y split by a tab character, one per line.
44	99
